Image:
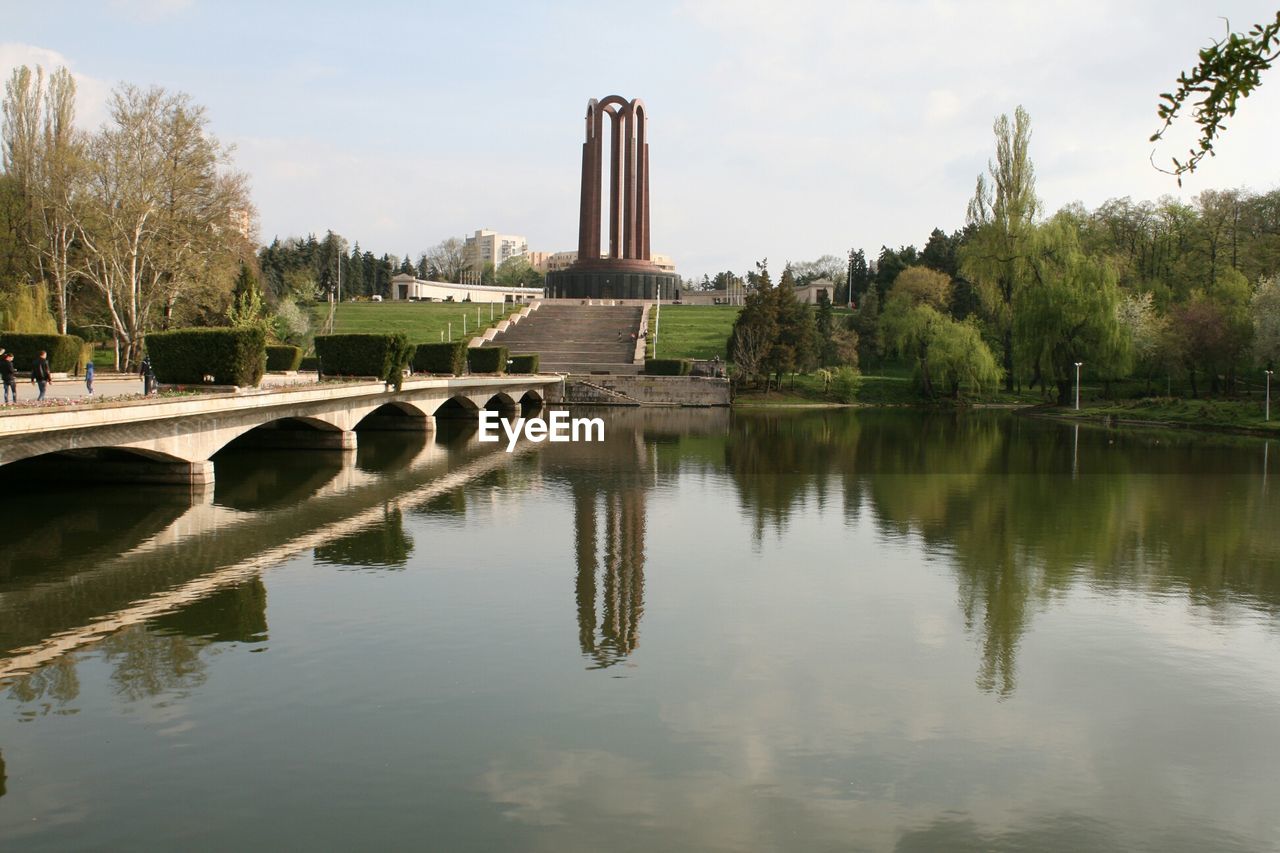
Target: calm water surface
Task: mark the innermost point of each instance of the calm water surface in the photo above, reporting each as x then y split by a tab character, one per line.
791	631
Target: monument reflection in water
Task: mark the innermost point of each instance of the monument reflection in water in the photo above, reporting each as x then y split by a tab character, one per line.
920	631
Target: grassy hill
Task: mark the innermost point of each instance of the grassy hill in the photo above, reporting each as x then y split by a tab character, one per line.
423	322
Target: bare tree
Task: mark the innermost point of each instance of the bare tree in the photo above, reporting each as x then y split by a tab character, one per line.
161	213
750	346
446	260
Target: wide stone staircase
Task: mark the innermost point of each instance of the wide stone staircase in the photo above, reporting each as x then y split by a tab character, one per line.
571	337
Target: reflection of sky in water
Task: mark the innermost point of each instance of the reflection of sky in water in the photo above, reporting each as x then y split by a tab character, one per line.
833	649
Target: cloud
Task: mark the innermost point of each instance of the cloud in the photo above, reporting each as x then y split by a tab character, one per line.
150	11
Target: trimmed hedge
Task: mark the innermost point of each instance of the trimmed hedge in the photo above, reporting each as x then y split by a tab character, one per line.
283	357
382	355
309	362
231	356
668	366
487	359
523	363
64	350
450	358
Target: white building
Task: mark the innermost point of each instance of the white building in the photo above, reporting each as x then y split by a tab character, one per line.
490	247
405	287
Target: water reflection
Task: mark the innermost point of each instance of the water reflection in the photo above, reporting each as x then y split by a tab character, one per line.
383	545
609	603
1026	509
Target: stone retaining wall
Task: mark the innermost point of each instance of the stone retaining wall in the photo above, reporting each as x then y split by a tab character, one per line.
646	390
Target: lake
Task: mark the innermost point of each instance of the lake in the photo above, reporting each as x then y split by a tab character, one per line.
790	630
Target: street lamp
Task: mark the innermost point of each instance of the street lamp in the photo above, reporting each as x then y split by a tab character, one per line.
1078	363
1268	409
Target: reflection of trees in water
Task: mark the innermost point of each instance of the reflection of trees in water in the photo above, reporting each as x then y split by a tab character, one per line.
244	483
1160	513
145	663
609	593
160	655
236	614
383	545
779	461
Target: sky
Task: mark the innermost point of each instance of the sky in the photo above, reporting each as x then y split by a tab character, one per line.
780	130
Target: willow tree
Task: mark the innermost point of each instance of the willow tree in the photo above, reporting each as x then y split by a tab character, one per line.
1071	314
1002	215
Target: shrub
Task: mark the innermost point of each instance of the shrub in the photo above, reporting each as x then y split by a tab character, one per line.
448	358
283	357
64	350
230	356
523	363
382	355
487	359
845	382
668	366
309	362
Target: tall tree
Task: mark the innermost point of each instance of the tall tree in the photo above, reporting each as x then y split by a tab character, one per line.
1003	212
44	153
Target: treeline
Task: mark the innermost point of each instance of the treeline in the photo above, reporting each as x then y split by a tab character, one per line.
140	225
1144	291
307	269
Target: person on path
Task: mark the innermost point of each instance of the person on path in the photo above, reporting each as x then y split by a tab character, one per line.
40	374
88	378
9	377
148	376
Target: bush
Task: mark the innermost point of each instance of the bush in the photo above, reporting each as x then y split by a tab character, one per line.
667	366
487	359
845	382
523	363
230	356
309	362
446	358
64	350
382	355
283	357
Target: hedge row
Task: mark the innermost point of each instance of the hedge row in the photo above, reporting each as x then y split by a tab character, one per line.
523	363
668	366
283	357
382	355
450	358
64	350
187	356
487	359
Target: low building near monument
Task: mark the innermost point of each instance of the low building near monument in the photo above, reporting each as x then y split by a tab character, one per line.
810	294
405	287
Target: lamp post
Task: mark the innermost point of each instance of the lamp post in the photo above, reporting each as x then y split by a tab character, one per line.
1268	408
1078	363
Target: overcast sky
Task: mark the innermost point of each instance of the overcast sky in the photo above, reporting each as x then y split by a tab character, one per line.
779	129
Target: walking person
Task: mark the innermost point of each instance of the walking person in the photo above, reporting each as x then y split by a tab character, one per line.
148	376
9	376
40	374
88	378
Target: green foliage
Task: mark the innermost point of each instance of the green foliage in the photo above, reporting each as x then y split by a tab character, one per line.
668	366
524	363
962	362
1265	308
384	356
248	311
230	356
845	382
26	309
281	357
1228	70
64	351
449	359
1070	313
487	359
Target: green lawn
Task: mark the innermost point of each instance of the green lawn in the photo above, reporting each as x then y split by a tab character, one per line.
423	322
1212	413
694	331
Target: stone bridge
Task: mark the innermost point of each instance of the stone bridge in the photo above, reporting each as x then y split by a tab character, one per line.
173	440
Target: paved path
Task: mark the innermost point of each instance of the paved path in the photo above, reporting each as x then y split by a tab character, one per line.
115	385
